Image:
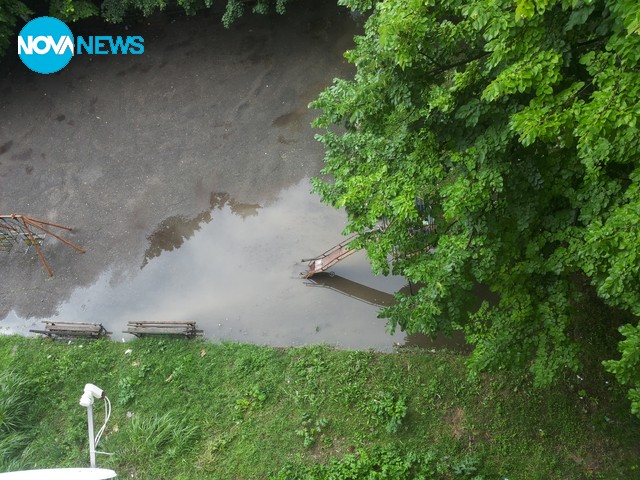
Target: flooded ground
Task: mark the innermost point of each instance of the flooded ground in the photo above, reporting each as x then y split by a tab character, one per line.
235	270
184	172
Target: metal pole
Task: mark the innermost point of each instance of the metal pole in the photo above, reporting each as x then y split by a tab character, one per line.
35	244
92	440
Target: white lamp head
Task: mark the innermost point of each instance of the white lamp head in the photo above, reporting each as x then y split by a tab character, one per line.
91	392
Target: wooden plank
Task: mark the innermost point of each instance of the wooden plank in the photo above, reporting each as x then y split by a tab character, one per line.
43	332
71	323
160	323
89	328
72	329
148	331
185	331
76	333
63	328
142	328
70	333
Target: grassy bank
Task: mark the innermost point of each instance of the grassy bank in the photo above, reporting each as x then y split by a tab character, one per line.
188	410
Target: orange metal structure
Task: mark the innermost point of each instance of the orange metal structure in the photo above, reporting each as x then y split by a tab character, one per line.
19	229
328	259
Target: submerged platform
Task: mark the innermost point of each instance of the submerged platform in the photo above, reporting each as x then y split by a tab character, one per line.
328	259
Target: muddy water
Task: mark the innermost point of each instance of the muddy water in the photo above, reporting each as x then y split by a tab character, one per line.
184	173
235	269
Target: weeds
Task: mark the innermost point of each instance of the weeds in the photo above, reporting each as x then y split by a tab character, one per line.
310	429
389	410
14	401
386	463
252	399
242	411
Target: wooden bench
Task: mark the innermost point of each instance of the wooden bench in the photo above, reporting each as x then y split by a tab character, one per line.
72	330
140	329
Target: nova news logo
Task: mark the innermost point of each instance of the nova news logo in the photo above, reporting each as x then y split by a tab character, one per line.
46	45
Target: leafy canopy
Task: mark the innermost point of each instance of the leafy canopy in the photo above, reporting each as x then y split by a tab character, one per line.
14	12
513	127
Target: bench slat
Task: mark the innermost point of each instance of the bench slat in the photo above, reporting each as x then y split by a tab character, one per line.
72	329
160	323
142	328
164	329
49	322
68	328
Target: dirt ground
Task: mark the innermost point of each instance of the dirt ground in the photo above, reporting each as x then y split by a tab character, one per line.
114	145
184	173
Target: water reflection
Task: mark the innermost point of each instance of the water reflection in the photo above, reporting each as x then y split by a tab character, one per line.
209	109
351	289
173	231
128	150
238	277
234	269
372	296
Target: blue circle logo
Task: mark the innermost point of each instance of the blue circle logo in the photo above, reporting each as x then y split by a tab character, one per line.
45	45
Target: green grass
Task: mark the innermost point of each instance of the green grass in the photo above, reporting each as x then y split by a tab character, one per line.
191	409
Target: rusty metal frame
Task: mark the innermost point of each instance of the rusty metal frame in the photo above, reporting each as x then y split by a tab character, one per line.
21	224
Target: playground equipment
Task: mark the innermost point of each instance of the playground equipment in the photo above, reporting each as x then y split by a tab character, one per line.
20	231
328	259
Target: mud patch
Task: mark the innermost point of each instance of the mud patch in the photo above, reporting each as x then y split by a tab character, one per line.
289	119
23	156
177	45
259	58
134	69
455	418
5	147
286	141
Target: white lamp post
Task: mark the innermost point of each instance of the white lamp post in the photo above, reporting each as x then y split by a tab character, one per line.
91	392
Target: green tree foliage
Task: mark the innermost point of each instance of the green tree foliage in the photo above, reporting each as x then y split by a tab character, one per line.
627	369
13	13
10	13
514	126
72	10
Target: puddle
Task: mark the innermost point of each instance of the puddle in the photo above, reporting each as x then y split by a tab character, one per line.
235	269
184	173
237	275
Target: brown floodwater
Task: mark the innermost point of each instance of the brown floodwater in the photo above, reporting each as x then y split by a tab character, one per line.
235	269
184	173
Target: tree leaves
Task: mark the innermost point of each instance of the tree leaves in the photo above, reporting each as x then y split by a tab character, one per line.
516	124
10	12
115	11
627	369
